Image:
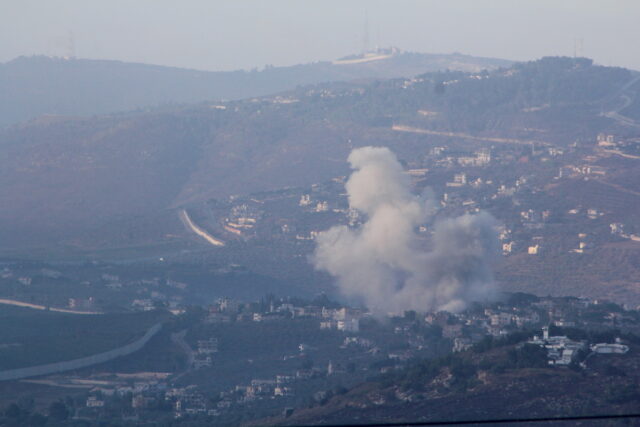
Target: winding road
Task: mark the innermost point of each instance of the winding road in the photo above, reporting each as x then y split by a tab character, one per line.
410	129
627	100
184	216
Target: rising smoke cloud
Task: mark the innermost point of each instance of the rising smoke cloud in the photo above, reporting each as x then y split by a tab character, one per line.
384	262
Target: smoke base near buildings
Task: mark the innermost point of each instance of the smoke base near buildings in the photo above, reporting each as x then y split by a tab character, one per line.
384	262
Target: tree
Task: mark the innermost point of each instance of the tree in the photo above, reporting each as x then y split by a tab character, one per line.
528	356
307	363
37	419
410	315
58	411
12	411
26	403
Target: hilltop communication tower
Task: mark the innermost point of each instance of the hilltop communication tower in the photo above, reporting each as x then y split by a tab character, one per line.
365	37
71	45
578	47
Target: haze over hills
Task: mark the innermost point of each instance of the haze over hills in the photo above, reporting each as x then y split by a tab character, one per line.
420	229
383	237
38	85
122	180
79	172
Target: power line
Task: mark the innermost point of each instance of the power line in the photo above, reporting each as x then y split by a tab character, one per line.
489	421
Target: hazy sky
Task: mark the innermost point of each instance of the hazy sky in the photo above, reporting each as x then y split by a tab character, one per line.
223	35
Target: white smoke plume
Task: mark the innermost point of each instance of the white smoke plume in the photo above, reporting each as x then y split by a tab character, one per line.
384	262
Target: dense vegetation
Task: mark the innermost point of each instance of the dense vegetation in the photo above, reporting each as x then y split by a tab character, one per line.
464	367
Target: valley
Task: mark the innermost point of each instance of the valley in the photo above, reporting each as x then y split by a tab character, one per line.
205	218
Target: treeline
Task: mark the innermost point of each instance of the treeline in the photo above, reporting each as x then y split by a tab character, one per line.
23	413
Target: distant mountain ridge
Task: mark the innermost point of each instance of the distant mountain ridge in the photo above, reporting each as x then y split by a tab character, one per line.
119	181
39	85
62	177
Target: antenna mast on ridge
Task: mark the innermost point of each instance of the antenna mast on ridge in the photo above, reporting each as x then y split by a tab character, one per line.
365	39
71	45
578	45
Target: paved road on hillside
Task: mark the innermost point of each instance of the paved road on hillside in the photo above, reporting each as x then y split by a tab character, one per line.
627	100
184	216
42	307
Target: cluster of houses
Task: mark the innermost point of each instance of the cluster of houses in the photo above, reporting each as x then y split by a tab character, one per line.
628	147
143	392
191	401
468	172
562	350
226	310
343	319
619	229
463	329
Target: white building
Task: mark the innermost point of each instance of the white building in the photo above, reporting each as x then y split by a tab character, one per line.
603	348
560	349
348	325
